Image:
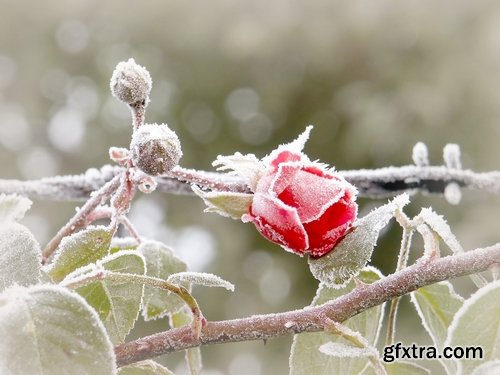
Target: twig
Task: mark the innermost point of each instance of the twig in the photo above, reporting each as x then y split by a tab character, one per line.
263	327
80	217
372	183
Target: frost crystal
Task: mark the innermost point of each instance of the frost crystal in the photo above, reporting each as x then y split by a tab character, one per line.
452	193
130	83
420	155
155	149
451	156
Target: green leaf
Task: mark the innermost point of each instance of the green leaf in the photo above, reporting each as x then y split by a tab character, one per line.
20	256
50	330
122	243
399	368
161	262
306	359
477	324
200	278
345	261
80	249
227	203
145	368
118	304
13	207
436	305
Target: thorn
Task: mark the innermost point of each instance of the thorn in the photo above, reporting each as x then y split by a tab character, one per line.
359	284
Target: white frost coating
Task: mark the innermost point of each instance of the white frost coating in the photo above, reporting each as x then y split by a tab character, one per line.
247	166
488	368
452	193
30	327
420	155
200	278
352	253
451	156
336	349
130	82
20	256
439	225
13	207
477	323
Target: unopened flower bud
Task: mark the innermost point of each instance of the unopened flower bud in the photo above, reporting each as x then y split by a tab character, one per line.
130	82
155	149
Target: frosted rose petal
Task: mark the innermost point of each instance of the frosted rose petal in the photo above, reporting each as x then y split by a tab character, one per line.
278	222
311	195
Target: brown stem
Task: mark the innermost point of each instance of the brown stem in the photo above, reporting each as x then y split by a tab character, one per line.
263	327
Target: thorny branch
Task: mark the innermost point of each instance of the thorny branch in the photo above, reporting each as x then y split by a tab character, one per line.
373	183
312	319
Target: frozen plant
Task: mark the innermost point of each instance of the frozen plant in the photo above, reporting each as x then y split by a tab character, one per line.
69	308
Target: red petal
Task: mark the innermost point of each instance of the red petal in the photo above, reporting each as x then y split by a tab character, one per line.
325	232
283	157
311	195
278	223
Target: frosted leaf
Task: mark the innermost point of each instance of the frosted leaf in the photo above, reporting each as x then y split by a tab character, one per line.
337	349
227	204
439	225
477	323
200	278
451	156
246	166
452	193
13	207
50	330
20	256
353	252
420	155
305	358
488	368
148	367
130	82
80	249
436	305
118	304
161	262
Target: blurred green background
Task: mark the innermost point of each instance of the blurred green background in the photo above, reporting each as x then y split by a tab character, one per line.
374	77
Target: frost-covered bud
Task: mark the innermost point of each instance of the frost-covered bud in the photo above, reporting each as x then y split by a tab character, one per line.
155	149
130	82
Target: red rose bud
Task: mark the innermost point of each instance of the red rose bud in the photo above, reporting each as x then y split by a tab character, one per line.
301	205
